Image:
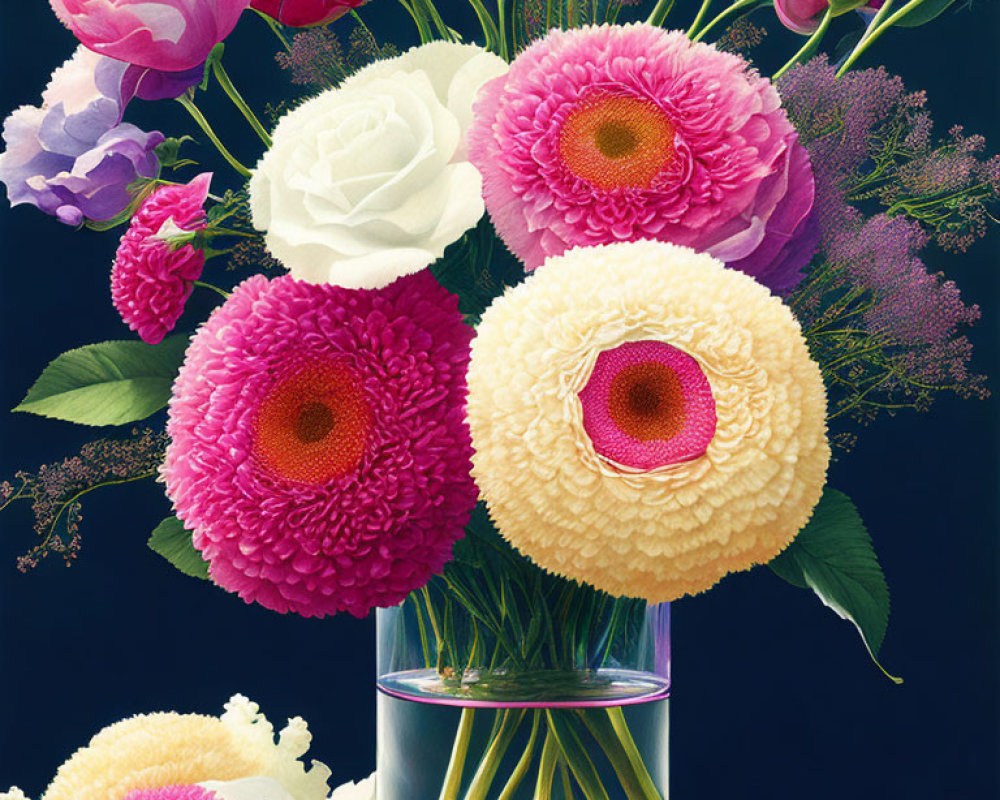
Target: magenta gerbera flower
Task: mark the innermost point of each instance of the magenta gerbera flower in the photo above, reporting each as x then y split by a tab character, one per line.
189	792
620	133
319	449
152	279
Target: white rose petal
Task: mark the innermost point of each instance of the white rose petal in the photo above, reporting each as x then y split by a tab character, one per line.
363	790
371	181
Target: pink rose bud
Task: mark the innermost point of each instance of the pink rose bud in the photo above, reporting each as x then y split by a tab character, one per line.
167	35
303	13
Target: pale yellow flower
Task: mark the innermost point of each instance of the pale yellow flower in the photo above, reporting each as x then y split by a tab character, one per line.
677	529
150	751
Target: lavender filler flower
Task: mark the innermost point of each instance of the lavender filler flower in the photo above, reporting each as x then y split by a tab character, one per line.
886	331
73	157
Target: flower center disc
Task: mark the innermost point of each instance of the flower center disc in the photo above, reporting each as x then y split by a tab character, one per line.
313	425
648	404
616	142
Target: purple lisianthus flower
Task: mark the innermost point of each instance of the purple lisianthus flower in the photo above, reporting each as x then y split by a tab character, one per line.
72	157
153	84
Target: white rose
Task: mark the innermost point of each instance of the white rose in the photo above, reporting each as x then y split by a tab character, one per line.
371	181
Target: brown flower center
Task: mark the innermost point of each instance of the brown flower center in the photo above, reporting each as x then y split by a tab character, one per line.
646	401
313	425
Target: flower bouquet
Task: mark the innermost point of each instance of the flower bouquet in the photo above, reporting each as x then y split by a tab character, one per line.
516	341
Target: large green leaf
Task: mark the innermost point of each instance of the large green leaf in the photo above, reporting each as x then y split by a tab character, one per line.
109	383
922	12
173	542
833	556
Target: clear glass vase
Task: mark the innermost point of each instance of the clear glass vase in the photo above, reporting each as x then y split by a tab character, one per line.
498	681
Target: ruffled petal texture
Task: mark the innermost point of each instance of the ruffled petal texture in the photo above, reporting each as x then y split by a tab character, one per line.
711	448
620	133
157	755
371	181
319	448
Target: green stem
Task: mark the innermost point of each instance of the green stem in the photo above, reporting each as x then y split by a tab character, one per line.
227	86
721	17
875	31
620	726
456	764
418	18
224	294
576	756
490	31
699	17
361	24
483	779
199	118
443	30
547	767
524	762
502	26
809	47
566	781
662	8
275	27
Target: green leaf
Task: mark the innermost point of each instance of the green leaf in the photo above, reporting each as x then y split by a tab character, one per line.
833	556
923	12
173	542
477	270
109	383
169	152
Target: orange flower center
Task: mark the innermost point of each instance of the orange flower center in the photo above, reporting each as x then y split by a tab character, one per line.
313	425
646	401
615	142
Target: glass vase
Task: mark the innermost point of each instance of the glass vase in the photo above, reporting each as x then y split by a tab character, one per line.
498	681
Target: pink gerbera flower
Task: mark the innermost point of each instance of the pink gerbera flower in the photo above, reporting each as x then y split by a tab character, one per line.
152	279
620	133
319	450
190	792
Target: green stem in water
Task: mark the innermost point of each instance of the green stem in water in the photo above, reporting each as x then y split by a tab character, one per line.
547	767
456	764
199	118
809	47
662	8
224	294
579	761
620	726
566	781
227	86
483	779
524	762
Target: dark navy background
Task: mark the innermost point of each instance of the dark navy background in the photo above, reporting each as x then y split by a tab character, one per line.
774	695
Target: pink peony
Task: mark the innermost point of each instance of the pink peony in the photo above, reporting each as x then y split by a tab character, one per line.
168	35
620	133
304	13
319	450
151	280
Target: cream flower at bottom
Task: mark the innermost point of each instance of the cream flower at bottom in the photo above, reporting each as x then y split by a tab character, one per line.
13	794
247	789
735	497
151	751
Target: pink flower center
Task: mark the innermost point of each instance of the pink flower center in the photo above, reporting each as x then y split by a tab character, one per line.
313	424
614	141
647	405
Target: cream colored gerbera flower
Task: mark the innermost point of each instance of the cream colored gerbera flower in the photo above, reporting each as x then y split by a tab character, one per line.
150	751
645	419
